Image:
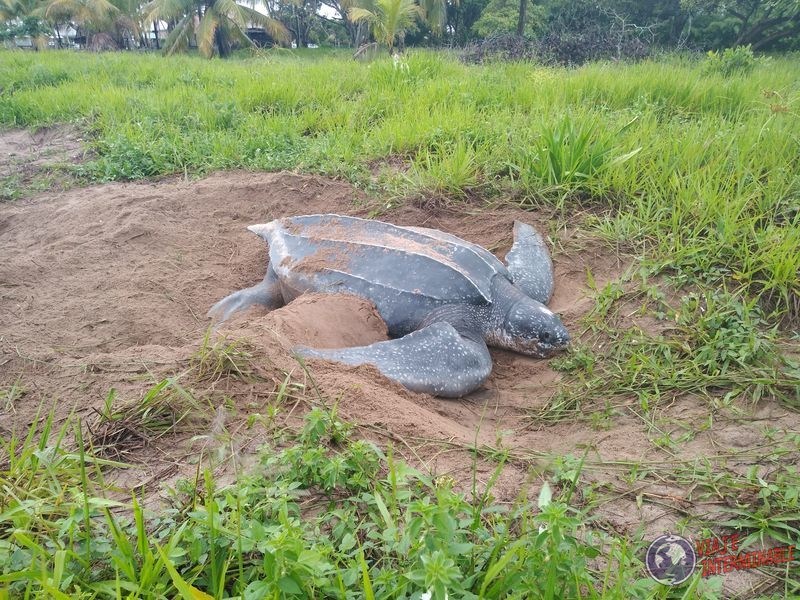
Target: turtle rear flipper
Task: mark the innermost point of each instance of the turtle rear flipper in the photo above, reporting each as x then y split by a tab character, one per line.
435	359
267	293
530	264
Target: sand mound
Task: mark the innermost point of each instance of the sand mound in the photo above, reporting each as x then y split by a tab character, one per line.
316	320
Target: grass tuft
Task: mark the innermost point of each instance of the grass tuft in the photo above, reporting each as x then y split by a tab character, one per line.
221	357
121	429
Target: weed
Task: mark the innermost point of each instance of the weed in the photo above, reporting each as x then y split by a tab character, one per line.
222	358
731	61
386	528
121	428
448	169
718	344
10	187
571	154
11	395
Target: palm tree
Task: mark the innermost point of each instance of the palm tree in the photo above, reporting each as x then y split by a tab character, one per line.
8	10
214	23
29	14
390	19
94	14
116	17
436	14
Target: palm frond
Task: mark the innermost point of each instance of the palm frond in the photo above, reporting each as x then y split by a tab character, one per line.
398	16
231	10
235	33
273	27
205	32
166	9
435	14
357	14
178	39
83	11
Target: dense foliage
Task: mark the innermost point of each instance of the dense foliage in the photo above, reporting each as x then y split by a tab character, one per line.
326	516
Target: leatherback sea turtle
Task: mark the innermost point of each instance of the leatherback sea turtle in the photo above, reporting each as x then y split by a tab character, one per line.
442	298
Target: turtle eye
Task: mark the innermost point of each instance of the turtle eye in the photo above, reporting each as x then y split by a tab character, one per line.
545	336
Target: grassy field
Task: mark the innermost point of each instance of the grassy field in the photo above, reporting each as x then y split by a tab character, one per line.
654	146
693	171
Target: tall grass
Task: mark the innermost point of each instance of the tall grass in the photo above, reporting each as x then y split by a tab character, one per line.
695	170
326	516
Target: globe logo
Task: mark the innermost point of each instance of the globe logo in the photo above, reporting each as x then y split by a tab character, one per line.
670	559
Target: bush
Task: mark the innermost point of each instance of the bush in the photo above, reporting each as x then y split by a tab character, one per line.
733	61
567	48
579	47
500	47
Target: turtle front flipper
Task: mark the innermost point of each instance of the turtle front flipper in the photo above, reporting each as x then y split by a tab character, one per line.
530	264
435	359
267	293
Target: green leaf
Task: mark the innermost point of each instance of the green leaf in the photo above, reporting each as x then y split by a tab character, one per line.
498	566
368	593
348	542
186	590
383	510
545	495
289	585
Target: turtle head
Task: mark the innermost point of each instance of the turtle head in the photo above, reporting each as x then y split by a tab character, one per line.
529	327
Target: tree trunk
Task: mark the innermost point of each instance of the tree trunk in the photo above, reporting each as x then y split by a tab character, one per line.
155	31
359	34
523	8
776	36
299	41
222	43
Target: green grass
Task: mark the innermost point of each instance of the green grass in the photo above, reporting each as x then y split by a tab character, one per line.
713	344
323	515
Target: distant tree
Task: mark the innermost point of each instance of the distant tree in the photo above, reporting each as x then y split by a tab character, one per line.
25	18
91	16
435	14
342	9
389	19
303	20
461	18
759	23
502	17
216	24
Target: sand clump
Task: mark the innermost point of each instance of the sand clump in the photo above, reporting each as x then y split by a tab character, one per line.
313	320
